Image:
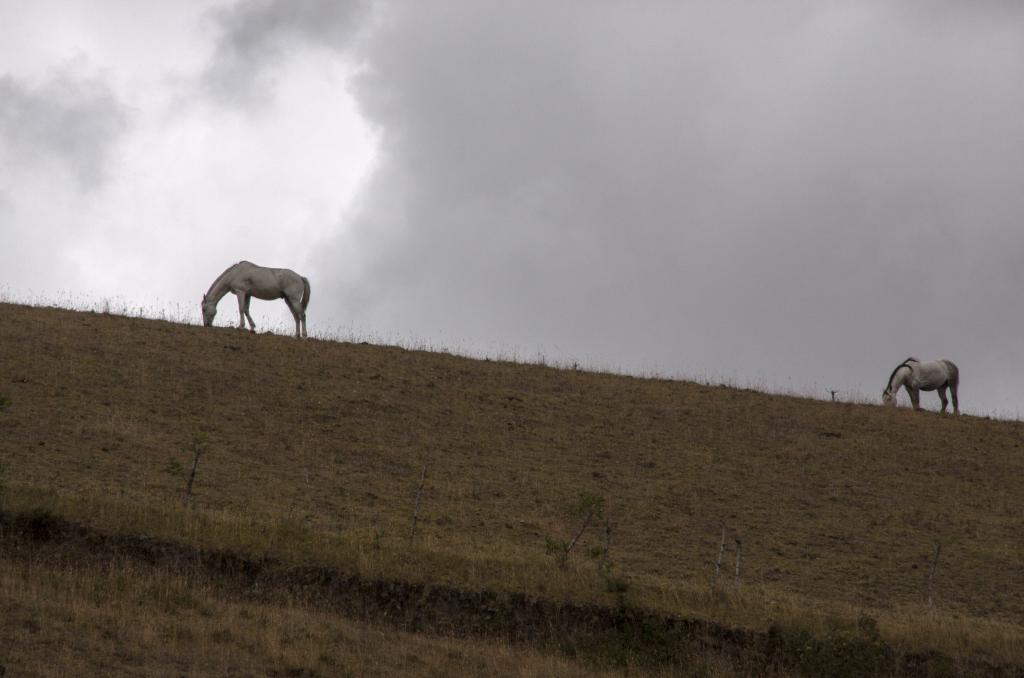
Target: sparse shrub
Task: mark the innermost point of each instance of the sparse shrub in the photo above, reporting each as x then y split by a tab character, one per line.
588	507
868	626
616	585
5	402
199	439
840	652
553	546
290	529
615	582
638	642
174	467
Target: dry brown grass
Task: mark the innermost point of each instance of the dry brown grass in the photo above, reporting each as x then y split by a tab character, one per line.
122	621
314	448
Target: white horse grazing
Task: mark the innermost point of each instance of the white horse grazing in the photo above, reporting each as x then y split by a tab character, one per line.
247	280
916	376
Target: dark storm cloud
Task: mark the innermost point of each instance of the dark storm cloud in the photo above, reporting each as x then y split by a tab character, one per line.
254	36
802	194
71	120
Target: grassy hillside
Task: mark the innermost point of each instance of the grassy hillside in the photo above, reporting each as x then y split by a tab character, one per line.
312	452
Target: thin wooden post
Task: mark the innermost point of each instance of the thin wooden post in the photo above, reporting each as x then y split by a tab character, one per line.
416	508
192	476
931	574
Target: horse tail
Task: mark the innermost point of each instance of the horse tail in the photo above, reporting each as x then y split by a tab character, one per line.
305	293
954	373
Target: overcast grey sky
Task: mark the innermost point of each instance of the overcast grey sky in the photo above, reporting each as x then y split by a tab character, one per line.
792	195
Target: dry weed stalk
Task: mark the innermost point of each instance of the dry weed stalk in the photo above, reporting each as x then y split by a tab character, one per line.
718	563
583	527
739	552
192	476
198	447
607	543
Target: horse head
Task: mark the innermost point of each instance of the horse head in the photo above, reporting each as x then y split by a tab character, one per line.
209	310
888	398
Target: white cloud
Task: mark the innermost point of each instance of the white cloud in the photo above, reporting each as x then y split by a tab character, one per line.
72	121
254	38
182	188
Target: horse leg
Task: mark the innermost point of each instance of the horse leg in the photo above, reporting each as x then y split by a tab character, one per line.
942	396
915	397
252	325
956	405
296	312
241	309
299	312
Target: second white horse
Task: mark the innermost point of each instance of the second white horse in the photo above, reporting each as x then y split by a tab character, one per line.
929	375
247	280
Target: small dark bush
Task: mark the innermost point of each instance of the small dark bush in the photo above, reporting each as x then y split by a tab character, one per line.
841	653
616	584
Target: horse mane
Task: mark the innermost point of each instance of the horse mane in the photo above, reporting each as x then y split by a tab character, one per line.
899	367
221	276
